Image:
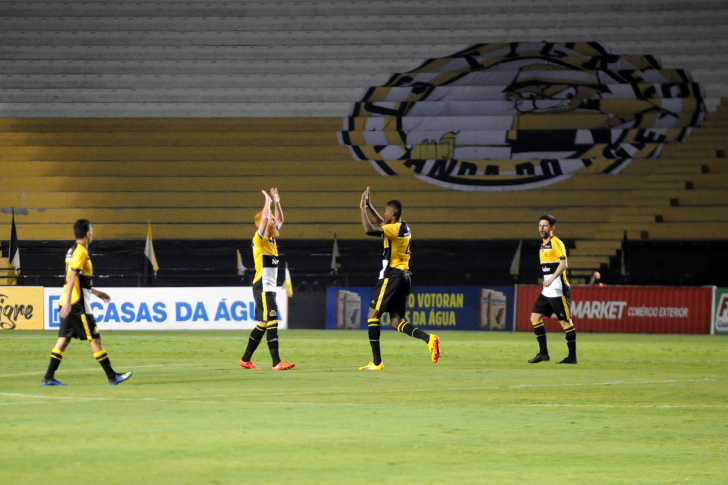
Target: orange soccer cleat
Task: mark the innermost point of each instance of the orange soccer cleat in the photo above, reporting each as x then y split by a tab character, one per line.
284	366
248	365
372	366
434	346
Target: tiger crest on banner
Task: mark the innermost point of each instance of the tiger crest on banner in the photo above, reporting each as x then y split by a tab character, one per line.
522	115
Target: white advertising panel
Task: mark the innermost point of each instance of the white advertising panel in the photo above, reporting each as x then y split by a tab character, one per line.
209	308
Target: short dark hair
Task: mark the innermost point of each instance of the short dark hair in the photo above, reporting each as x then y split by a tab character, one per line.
80	228
551	219
397	206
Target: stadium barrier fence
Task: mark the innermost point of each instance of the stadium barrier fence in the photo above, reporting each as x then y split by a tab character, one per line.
623	309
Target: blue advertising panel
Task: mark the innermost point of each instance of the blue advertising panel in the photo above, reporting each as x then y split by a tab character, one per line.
429	307
157	308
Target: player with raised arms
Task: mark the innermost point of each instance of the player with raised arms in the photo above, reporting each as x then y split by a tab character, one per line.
392	290
265	255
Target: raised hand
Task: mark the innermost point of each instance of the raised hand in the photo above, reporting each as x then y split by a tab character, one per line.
274	194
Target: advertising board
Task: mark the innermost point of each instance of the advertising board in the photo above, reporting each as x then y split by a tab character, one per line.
720	323
630	309
21	308
209	308
428	307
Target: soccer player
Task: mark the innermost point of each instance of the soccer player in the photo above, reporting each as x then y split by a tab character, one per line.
556	294
391	292
265	254
77	321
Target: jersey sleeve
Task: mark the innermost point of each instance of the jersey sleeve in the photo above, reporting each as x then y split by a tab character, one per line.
80	256
391	231
559	250
257	240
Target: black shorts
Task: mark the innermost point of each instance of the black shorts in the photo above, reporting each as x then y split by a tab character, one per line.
559	306
81	326
266	309
390	294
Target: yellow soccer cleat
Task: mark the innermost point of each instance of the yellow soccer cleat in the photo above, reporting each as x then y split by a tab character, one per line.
372	366
434	346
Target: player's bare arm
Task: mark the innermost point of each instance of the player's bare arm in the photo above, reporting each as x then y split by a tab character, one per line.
70	281
369	228
379	220
562	267
101	295
278	216
265	215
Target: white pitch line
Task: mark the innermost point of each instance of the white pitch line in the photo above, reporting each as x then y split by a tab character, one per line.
45	399
63	398
12	403
640	406
95	369
367	391
478	388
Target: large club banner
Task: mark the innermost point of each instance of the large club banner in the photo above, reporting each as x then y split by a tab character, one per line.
522	115
215	308
428	308
627	309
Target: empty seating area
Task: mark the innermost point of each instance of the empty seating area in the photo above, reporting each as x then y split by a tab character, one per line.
179	113
289	58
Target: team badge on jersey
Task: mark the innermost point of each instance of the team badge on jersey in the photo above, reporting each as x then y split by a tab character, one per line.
522	115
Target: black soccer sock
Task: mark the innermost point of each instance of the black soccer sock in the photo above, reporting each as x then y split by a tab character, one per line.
56	358
272	338
103	358
540	330
570	334
374	331
409	329
255	337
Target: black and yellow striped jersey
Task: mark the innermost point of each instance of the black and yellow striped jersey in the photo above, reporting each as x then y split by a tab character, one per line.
550	254
77	260
265	255
396	256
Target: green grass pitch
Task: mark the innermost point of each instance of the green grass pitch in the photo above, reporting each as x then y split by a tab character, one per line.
637	409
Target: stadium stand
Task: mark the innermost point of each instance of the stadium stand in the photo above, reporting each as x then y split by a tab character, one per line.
180	112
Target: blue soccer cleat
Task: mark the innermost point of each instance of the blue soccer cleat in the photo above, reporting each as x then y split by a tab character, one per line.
121	378
51	382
